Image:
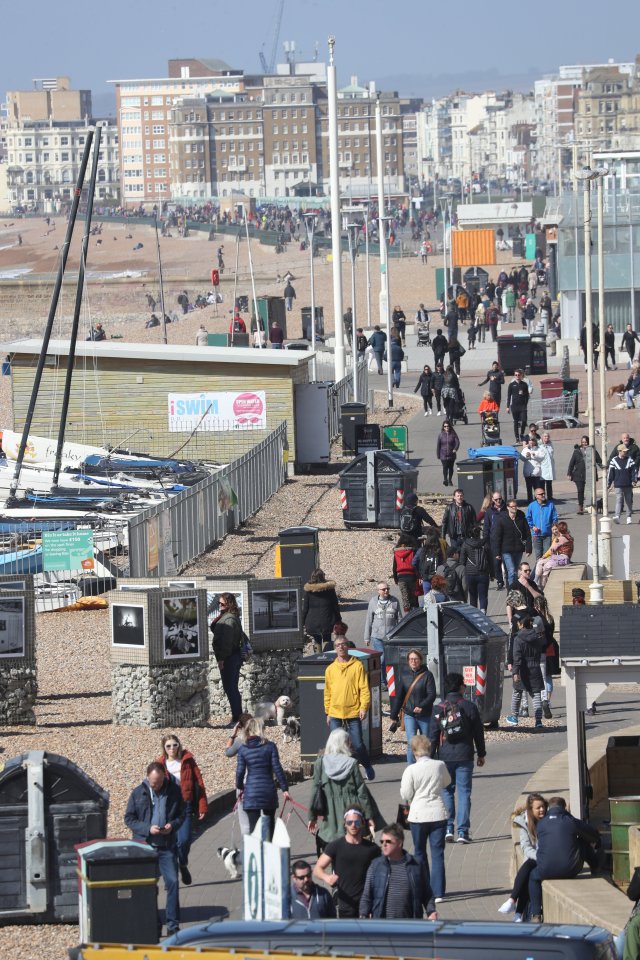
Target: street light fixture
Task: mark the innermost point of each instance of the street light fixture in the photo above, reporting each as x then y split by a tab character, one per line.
353	230
310	223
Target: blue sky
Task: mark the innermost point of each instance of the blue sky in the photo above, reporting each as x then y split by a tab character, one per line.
411	44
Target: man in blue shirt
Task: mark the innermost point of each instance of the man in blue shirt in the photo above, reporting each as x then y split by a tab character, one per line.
541	516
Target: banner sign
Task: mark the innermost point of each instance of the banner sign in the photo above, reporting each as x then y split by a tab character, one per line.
209	411
68	550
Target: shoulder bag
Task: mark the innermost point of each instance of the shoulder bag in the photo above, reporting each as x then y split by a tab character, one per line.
404	702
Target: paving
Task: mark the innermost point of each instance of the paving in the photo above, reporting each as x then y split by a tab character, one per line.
477	874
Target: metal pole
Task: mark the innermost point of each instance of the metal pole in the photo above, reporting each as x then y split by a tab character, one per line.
366	254
253	280
336	246
311	227
351	231
164	322
235	286
605	520
384	275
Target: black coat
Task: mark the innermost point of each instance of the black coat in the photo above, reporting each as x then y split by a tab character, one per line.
528	647
423	694
463	751
511	536
139	813
320	607
425	385
439	345
475	555
495	379
558	853
449	520
577	469
518	395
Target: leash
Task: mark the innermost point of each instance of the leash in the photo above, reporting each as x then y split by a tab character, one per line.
295	807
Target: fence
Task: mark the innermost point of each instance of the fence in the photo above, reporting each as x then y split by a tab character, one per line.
341	392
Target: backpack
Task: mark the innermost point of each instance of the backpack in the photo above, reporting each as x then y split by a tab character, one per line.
453	722
409	523
451	578
428	566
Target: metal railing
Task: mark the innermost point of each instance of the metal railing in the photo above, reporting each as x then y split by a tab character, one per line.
342	392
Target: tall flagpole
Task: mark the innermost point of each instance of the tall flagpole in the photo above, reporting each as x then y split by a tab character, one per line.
334	186
385	322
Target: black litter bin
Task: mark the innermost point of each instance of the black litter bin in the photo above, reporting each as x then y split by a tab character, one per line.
351	415
297	553
373	488
313	729
514	352
518	247
476	279
475	478
454	638
538	353
118	892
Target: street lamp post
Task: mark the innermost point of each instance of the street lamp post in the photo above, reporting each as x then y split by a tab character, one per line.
587	175
310	222
605	519
385	320
352	233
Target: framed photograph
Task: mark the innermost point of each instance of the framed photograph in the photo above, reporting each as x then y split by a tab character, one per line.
181	584
127	625
13	585
275	611
181	629
12	636
213	607
125	585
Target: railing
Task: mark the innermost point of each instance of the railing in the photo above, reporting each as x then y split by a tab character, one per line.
341	392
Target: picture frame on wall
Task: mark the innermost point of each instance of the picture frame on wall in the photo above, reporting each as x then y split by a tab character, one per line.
275	611
181	584
12	627
181	628
127	625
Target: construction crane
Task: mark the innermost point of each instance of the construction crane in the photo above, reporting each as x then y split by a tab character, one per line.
269	67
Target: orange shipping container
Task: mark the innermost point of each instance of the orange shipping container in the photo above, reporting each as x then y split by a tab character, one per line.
473	248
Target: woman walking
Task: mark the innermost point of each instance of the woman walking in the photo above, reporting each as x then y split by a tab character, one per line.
577	470
528	646
237	737
450	392
258	765
227	647
526	819
548	464
437	383
475	556
320	608
421	787
415	697
425	387
446	447
180	764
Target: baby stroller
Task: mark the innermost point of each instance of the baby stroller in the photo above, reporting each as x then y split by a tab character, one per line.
460	409
424	337
490	429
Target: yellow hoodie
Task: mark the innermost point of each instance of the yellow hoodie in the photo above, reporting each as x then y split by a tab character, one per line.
346	690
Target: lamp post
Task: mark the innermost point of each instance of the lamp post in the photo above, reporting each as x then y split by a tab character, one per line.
310	220
586	175
336	237
605	519
385	320
352	233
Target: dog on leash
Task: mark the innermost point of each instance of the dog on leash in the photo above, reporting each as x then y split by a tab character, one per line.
274	711
230	857
291	729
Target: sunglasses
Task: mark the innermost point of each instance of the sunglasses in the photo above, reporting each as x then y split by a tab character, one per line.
386	843
171	746
497	499
353	823
302	876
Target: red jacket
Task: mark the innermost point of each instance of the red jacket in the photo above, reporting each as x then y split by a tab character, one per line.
190	776
402	567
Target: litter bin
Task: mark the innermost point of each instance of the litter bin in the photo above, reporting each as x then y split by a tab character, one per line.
313	729
475	479
454	638
373	488
514	352
538	353
624	813
518	247
297	553
47	806
623	766
351	415
118	892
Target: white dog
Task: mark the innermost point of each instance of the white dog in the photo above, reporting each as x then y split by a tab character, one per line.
266	710
230	857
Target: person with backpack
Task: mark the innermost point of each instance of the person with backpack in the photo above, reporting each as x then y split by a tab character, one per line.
413	517
447	444
405	575
475	557
457	735
428	558
454	575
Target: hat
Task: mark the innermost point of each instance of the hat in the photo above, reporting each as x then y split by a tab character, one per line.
578	593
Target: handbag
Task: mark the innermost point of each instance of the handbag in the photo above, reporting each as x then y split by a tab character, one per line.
402	815
246	649
319	805
405	700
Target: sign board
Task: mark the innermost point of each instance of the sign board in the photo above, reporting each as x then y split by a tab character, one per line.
210	411
395	438
469	676
252	878
530	244
367	437
277	884
67	550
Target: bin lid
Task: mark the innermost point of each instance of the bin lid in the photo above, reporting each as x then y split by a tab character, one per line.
457	618
353	407
386	461
515	335
101	851
298	531
498	451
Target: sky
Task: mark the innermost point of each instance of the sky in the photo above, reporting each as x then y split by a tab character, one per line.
417	47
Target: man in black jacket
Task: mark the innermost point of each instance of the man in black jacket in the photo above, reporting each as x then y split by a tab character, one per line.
628	343
496	508
510	539
439	345
458	520
495	379
308	900
564	843
453	742
517	402
154	814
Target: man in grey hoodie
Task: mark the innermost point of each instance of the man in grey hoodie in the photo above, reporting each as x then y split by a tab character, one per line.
383	613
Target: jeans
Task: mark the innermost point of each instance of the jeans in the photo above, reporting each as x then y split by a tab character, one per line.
168	864
378	355
414	724
276	346
447	469
396	372
540	545
520	890
184	835
478	584
580	485
433	831
230	676
609	352
512	562
624	494
461	773
354	728
254	816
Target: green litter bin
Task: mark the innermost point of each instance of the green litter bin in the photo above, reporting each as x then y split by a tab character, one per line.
625	813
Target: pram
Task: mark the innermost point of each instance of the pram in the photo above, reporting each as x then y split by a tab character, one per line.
490	429
460	409
424	337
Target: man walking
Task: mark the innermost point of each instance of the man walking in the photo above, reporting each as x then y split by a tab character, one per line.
383	613
289	296
347	699
510	539
458	520
610	347
377	341
495	379
349	857
622	476
440	346
361	343
456	729
628	343
396	886
496	508
308	900
154	815
541	516
517	402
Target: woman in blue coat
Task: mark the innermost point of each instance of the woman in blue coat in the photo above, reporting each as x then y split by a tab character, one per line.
258	763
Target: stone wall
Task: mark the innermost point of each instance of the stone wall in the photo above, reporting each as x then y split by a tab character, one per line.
174	695
18	692
265	676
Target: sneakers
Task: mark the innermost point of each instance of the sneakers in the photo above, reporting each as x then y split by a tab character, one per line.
438	899
536	918
629	520
616	519
430	412
449	836
512	721
546	709
524	711
508	906
463	838
439	413
538	725
185	875
426	413
517	918
369	773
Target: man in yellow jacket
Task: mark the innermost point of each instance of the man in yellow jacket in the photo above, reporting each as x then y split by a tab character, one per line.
347	699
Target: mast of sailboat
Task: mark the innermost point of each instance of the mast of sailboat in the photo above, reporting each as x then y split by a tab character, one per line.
73	336
164	316
52	313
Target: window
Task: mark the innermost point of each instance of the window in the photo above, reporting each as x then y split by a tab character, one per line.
157	128
156	101
159	158
28	158
157	114
64	141
64	156
45	157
